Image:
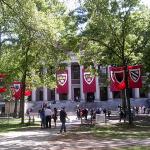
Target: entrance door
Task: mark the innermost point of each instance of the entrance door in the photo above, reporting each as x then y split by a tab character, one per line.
76	94
103	91
90	97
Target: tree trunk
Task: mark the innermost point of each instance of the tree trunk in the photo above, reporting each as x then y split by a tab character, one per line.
15	109
22	97
25	70
128	96
123	96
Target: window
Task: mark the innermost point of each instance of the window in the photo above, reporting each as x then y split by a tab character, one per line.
62	96
75	71
143	93
103	92
53	94
116	94
41	95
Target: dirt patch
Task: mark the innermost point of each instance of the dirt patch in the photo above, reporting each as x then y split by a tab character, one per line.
74	136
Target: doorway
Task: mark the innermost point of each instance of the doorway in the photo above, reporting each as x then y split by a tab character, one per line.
77	94
90	97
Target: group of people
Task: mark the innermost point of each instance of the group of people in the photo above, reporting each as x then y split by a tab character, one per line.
141	109
46	115
134	110
83	112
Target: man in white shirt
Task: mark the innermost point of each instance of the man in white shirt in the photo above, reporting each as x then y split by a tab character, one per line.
48	115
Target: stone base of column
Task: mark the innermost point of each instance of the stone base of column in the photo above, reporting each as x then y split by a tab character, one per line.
148	91
97	100
82	100
149	95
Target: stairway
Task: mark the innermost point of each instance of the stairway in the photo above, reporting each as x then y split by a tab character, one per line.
71	106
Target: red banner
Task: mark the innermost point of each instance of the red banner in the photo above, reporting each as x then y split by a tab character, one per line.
89	83
62	81
117	78
2	83
134	76
28	92
16	90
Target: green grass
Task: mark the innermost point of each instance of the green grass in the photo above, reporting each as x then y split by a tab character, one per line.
135	148
14	125
140	129
120	131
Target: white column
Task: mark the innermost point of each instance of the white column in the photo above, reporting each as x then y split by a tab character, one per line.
56	95
69	82
110	93
136	93
45	94
97	93
34	95
45	98
81	85
148	94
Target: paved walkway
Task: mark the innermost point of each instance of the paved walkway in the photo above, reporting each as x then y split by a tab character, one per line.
49	139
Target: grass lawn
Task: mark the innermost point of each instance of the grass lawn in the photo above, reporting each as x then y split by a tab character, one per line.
12	124
118	132
121	131
140	129
135	148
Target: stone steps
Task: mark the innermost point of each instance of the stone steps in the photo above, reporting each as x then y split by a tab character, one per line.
71	106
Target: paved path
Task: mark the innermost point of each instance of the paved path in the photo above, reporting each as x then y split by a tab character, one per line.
47	139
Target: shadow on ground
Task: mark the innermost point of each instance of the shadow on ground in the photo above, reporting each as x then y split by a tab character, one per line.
80	137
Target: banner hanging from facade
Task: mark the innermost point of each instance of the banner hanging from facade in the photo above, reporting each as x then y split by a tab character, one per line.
134	76
89	83
117	78
2	83
62	81
16	90
28	92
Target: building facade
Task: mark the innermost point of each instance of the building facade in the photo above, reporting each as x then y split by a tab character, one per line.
75	87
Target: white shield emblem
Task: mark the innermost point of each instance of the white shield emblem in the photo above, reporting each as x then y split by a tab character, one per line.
117	76
16	87
62	79
135	74
88	77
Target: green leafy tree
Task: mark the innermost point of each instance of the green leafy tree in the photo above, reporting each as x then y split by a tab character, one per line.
117	32
37	29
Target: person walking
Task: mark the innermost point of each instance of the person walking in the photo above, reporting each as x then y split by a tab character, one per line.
63	116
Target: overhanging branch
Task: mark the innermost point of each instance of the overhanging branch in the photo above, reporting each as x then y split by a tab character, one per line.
108	47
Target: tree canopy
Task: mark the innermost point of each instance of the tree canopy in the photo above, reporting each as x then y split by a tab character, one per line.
117	32
33	37
35	28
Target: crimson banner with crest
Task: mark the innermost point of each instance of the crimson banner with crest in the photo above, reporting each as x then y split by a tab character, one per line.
117	78
89	83
62	81
16	90
134	76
